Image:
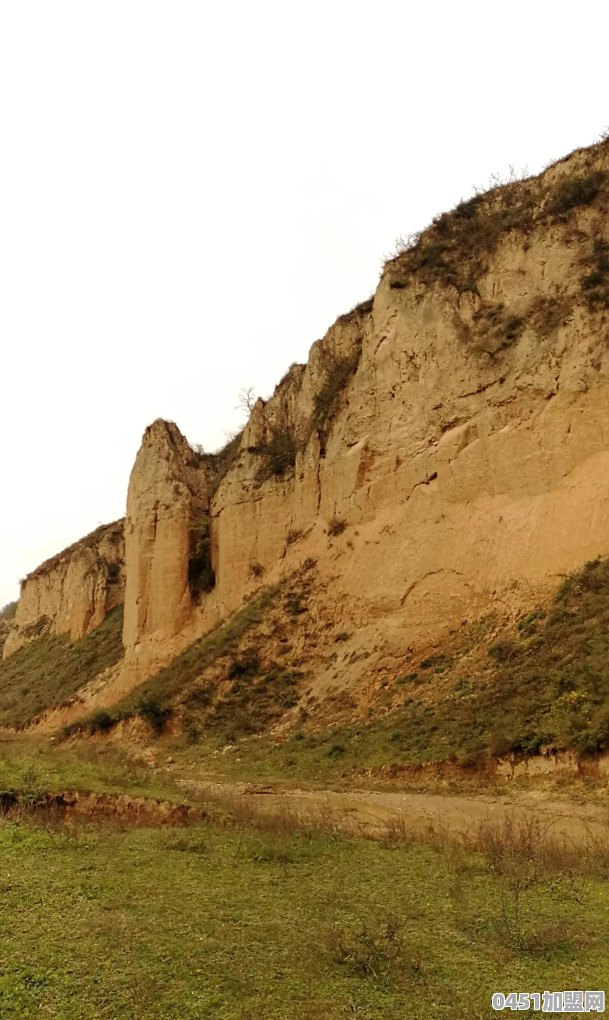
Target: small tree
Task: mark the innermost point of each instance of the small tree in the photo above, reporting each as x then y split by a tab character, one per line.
247	399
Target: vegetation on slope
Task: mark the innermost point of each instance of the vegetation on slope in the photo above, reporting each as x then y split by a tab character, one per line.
219	684
8	611
542	684
547	686
457	247
48	671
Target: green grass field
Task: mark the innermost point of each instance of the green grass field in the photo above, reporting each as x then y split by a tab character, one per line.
233	924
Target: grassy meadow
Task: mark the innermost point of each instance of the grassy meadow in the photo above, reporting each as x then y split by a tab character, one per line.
235	921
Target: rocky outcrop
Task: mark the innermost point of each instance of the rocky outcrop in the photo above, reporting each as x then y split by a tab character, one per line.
466	453
72	592
445	448
166	532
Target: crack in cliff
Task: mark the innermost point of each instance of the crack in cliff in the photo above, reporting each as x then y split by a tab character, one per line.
426	481
155	519
482	388
430	573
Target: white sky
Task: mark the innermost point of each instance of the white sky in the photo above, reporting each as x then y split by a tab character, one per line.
190	193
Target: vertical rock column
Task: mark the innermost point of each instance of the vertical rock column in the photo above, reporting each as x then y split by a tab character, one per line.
169	490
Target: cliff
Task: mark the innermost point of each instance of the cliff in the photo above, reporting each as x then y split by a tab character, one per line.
72	592
444	449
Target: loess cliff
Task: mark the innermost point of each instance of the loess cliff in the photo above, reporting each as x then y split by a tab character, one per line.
444	449
72	592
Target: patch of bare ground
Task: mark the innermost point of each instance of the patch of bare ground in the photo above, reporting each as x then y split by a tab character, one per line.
418	816
97	807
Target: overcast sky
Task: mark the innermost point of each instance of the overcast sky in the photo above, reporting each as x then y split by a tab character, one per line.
190	193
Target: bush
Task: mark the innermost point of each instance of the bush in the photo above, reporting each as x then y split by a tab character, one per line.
156	714
337	373
496	328
374	949
8	611
201	577
278	453
101	722
222	460
244	667
577	191
503	651
360	310
335	750
548	312
454	250
595	284
336	526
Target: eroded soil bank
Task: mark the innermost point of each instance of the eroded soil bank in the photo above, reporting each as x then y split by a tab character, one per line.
118	808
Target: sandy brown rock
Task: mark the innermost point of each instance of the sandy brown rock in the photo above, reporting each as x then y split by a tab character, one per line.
72	592
169	492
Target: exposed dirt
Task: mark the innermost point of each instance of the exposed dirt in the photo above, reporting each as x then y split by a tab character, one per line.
118	808
360	812
368	812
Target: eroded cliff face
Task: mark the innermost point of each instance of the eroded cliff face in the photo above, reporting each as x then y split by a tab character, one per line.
72	592
167	515
445	448
468	452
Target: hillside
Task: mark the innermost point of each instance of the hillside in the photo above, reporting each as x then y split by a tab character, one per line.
441	461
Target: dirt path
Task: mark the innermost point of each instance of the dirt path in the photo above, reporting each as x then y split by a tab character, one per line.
370	811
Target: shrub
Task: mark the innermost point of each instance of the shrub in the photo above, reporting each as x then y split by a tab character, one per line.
244	667
454	250
503	651
577	191
374	949
101	722
548	312
256	569
223	459
337	373
8	611
201	577
335	750
294	604
363	308
278	453
595	284
336	526
496	328
113	573
156	714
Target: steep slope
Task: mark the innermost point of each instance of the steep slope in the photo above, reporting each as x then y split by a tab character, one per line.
445	448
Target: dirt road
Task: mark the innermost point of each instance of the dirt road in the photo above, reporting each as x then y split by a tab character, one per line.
369	812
